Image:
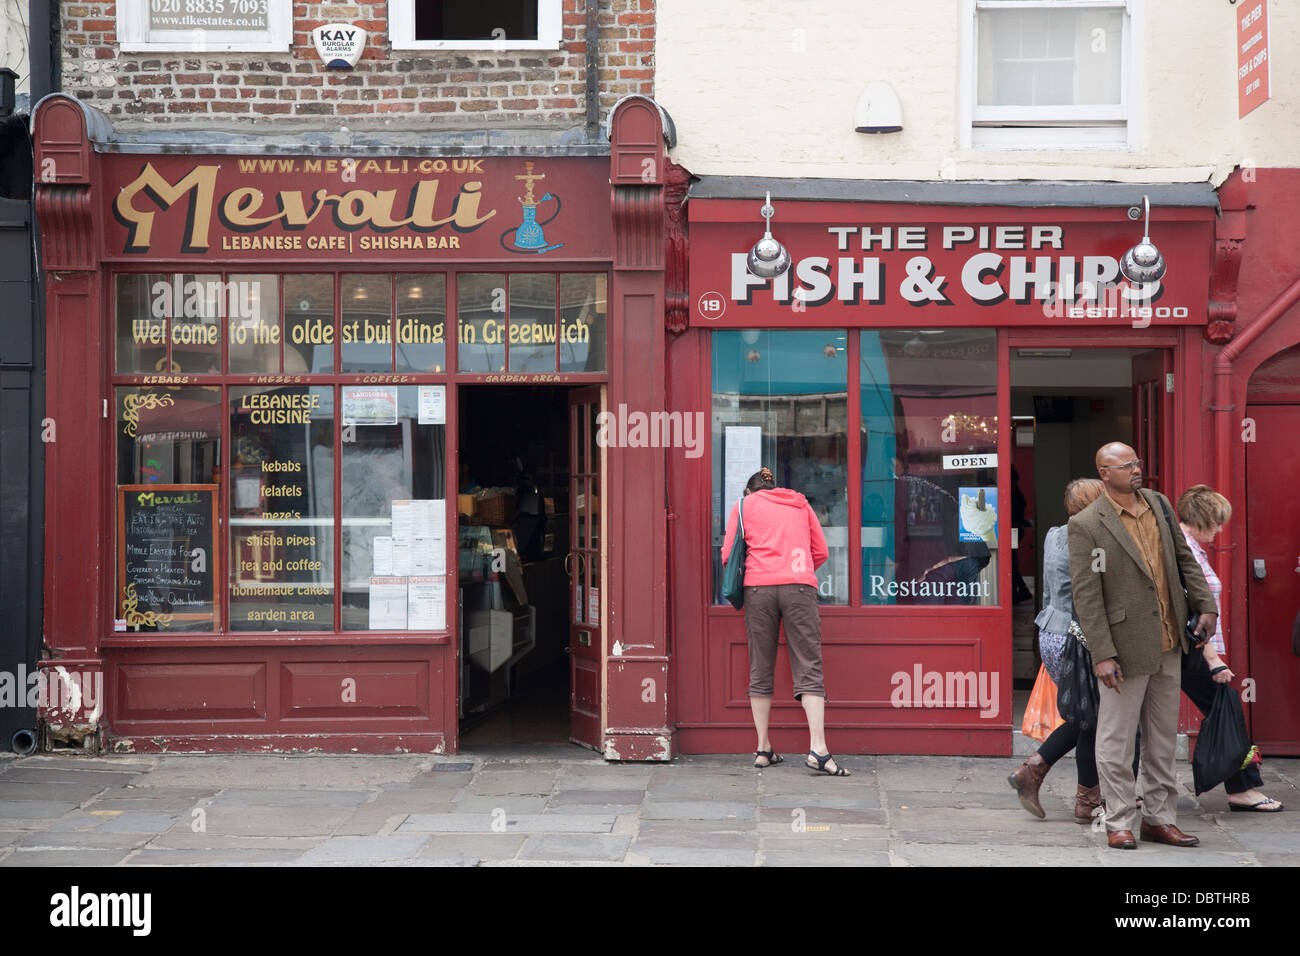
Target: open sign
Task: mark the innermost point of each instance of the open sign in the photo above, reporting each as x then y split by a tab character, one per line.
967	462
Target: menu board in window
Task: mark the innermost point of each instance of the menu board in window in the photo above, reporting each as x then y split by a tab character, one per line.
167	565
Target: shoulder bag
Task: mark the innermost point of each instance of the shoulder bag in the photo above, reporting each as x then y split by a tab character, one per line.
733	573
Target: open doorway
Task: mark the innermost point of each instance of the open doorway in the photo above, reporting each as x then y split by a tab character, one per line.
514	484
1065	404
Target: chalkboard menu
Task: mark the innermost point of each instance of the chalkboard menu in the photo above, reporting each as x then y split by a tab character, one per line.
167	562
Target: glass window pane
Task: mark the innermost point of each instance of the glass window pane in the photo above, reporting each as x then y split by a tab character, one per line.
142	323
169	456
780	400
366	304
253	324
195	304
582	322
1050	57
481	301
481	20
532	322
309	324
421	323
282	509
394	511
929	525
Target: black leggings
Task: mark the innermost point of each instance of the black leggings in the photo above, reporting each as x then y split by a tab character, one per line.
1068	736
1198	685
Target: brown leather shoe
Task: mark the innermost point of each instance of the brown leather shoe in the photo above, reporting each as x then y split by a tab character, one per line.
1086	800
1121	840
1168	834
1026	781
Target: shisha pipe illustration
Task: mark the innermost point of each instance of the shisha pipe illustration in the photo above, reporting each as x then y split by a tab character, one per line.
528	235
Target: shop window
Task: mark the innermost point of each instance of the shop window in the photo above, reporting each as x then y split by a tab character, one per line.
253	334
1048	73
309	324
366	323
281	509
780	400
394	507
204	26
421	323
929	481
168	472
318	505
481	299
483	25
582	323
531	322
170	323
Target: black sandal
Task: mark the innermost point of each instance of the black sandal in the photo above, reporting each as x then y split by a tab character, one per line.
773	758
821	765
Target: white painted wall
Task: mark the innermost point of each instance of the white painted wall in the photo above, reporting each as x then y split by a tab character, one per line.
13	41
768	88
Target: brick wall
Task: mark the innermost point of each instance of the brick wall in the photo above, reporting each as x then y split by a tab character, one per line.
387	90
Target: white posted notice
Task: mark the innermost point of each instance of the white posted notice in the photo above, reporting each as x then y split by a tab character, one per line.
433	405
426	604
744	455
388	604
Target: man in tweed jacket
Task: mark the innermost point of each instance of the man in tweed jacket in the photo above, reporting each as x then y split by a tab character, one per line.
1124	563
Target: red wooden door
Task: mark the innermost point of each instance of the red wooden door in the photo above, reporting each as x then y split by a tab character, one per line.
586	649
1273	600
1153	416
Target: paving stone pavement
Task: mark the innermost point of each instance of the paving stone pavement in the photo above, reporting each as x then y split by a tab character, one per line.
530	807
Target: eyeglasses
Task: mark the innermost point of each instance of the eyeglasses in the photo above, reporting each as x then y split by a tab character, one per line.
1128	465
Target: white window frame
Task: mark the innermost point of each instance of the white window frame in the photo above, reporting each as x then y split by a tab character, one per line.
134	35
1048	127
401	31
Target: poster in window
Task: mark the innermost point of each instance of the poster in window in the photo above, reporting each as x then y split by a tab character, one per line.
978	515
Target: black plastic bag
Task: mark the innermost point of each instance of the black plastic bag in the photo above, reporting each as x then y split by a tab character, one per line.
1223	743
1077	696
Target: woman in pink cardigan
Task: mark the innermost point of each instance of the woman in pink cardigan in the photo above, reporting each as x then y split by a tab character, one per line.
784	547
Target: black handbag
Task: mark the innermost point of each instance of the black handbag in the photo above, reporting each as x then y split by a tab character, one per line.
1077	697
1193	618
1222	744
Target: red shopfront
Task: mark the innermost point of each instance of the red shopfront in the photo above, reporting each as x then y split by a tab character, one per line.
267	373
919	377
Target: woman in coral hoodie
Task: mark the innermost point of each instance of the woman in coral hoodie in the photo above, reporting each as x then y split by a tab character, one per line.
784	546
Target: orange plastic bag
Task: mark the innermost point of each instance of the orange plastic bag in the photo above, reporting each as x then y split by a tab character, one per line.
1041	717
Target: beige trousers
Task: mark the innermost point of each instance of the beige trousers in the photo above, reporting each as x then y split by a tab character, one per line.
1152	701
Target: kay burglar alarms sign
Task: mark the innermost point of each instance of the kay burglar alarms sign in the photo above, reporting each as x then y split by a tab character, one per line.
418	209
876	265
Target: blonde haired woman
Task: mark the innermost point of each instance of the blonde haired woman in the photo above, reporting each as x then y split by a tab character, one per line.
1202	512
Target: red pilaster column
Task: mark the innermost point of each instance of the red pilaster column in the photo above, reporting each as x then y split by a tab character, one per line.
636	670
78	449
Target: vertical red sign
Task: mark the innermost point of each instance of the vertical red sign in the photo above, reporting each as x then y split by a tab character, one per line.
1252	55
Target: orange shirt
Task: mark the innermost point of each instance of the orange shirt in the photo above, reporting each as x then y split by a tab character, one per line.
1142	528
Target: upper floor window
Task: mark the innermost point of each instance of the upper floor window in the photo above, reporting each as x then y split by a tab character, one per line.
1049	73
204	26
482	25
